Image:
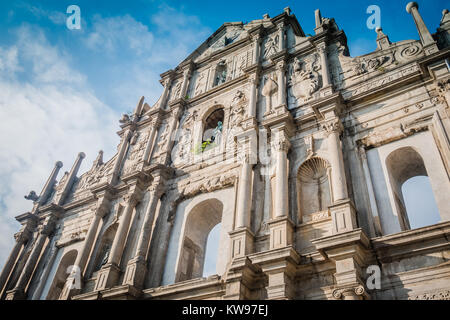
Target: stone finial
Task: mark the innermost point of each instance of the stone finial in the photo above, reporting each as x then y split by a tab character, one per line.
287	10
318	17
425	35
266	16
383	41
99	160
410	6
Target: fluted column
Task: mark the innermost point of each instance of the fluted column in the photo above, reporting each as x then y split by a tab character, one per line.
253	96
44	231
244	195
120	155
121	234
372	201
333	129
137	267
20	237
82	258
165	93
109	273
186	77
256	48
281	35
324	62
149	146
282	146
281	75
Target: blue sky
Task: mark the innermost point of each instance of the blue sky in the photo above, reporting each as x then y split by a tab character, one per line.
62	91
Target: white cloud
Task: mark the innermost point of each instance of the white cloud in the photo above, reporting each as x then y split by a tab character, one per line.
48	115
50	111
148	50
57	17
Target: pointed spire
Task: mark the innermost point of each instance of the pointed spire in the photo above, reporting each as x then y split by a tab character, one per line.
48	187
319	22
382	39
138	110
99	160
445	18
70	179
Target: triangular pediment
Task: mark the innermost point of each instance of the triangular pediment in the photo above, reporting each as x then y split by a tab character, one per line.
227	34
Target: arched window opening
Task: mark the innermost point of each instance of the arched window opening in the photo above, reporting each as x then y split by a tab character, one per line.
419	202
61	275
211	253
221	73
413	197
212	133
314	188
200	221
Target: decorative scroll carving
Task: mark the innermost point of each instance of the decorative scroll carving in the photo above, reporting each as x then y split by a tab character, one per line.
342	292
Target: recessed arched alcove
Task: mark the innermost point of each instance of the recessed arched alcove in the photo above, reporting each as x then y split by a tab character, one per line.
313	182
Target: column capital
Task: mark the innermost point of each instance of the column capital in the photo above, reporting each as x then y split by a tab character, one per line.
256	37
281	65
48	226
333	126
351	292
23	235
281	142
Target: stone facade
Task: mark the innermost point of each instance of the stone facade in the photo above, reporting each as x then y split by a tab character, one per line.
296	148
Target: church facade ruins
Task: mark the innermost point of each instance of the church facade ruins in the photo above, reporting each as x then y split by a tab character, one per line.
298	150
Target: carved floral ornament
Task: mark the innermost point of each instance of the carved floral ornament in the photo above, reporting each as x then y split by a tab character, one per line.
333	125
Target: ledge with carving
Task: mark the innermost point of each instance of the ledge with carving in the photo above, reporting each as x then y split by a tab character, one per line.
434	295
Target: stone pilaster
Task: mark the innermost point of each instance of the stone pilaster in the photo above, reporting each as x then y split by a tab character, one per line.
154	124
333	128
186	76
281	75
374	218
256	48
253	80
326	81
166	83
